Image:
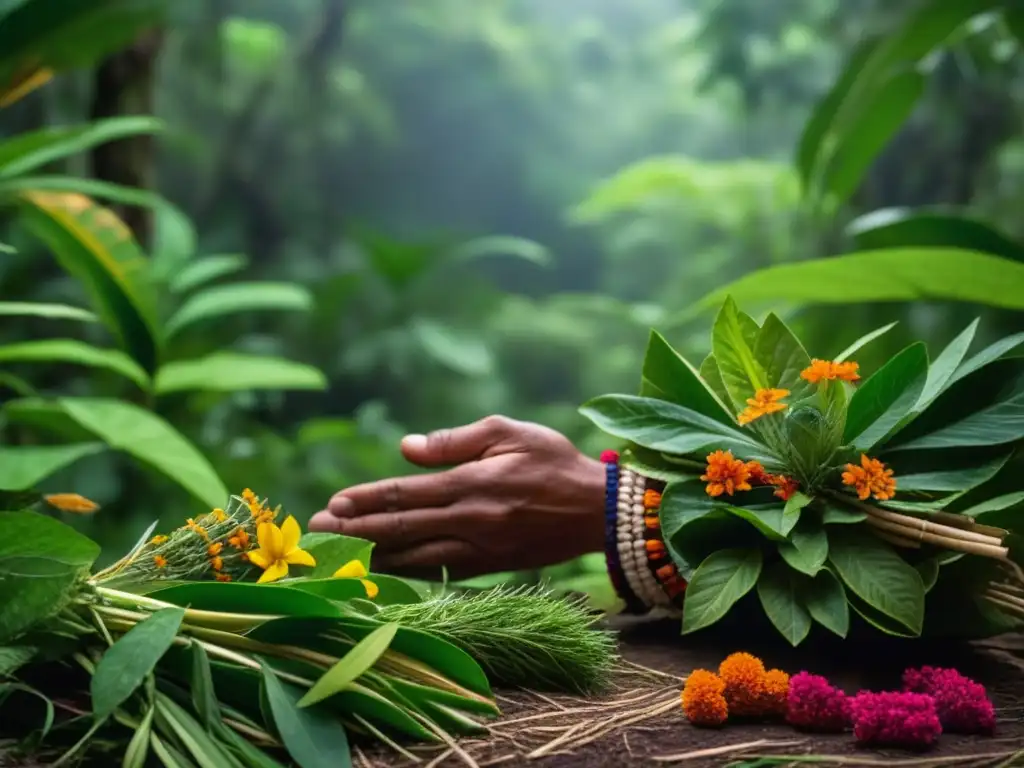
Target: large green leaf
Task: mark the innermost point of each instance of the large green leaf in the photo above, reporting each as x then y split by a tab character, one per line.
23	467
769	519
942	370
34	149
74	352
878	576
67	34
999	424
886	398
717	584
985	357
128	662
671	373
313	737
332	550
236	372
664	426
897	274
149	438
807	548
206	270
960	473
278	598
825	599
733	338
51	311
221	300
95	246
891	104
782	357
902	227
41	561
681	504
779	591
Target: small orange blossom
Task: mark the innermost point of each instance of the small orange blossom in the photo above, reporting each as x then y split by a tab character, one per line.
763	402
871	478
725	474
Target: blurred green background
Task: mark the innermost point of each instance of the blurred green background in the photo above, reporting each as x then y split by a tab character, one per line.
453	208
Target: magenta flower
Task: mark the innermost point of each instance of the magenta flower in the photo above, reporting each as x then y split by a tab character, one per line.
963	705
898	718
814	705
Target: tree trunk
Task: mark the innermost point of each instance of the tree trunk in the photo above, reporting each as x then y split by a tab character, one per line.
123	85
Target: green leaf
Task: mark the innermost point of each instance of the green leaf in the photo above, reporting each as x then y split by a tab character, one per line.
97	248
986	356
885	398
712	375
348	668
664	426
720	581
791	512
835	514
392	590
929	570
733	338
463	351
235	372
681	504
892	102
958	479
332	550
782	357
878	576
50	311
98	190
24	467
13	658
124	666
137	752
941	371
766	518
236	597
313	737
32	150
150	439
672	374
41	560
997	504
900	227
778	590
503	245
204	696
897	274
653	465
206	270
74	352
825	599
222	300
205	751
807	548
863	341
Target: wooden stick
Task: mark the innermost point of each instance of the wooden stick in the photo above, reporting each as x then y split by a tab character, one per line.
969	523
896	540
1004	604
946	531
940	540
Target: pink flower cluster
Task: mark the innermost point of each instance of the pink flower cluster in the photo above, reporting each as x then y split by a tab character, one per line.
962	704
895	718
933	700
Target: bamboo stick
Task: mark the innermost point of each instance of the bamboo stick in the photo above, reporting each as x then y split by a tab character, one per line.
940	540
896	540
939	529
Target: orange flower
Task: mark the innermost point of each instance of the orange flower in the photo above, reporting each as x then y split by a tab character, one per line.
776	693
217	563
725	474
785	487
239	539
71	502
757	474
156	541
743	677
824	370
160	561
763	402
222	576
214	549
703	702
871	478
652	499
196	528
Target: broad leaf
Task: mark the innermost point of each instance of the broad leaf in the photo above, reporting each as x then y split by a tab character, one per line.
807	548
863	341
942	370
236	372
900	227
51	311
664	426
766	518
314	738
332	550
779	591
825	599
149	438
968	475
733	338
782	357
502	245
221	300
791	512
996	504
986	356
885	398
74	352
360	659
96	247
929	570
463	351
712	375
128	662
720	581
204	749
206	270
41	560
24	467
897	274
671	373
236	597
681	504
878	576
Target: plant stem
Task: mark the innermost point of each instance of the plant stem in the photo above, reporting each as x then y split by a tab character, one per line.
226	621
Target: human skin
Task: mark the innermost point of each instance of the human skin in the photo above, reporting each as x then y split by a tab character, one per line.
512	495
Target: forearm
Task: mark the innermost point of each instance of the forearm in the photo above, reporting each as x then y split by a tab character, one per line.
639	564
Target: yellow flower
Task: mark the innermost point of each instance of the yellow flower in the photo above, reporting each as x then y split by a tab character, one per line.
156	541
219	515
196	528
279	548
159	561
354	569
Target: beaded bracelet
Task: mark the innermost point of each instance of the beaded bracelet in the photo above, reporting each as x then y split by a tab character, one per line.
622	586
659	561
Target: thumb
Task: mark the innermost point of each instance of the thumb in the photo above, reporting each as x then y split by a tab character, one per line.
446	447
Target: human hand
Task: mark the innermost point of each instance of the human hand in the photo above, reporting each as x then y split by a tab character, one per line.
517	496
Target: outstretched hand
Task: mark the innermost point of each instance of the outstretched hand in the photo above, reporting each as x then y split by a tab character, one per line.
516	496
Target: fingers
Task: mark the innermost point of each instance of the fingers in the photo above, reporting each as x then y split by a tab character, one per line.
446	447
395	531
426	560
411	492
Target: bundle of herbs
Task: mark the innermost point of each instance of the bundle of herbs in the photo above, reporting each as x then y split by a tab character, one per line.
891	497
236	641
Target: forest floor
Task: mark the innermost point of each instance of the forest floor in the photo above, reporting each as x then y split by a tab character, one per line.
641	721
